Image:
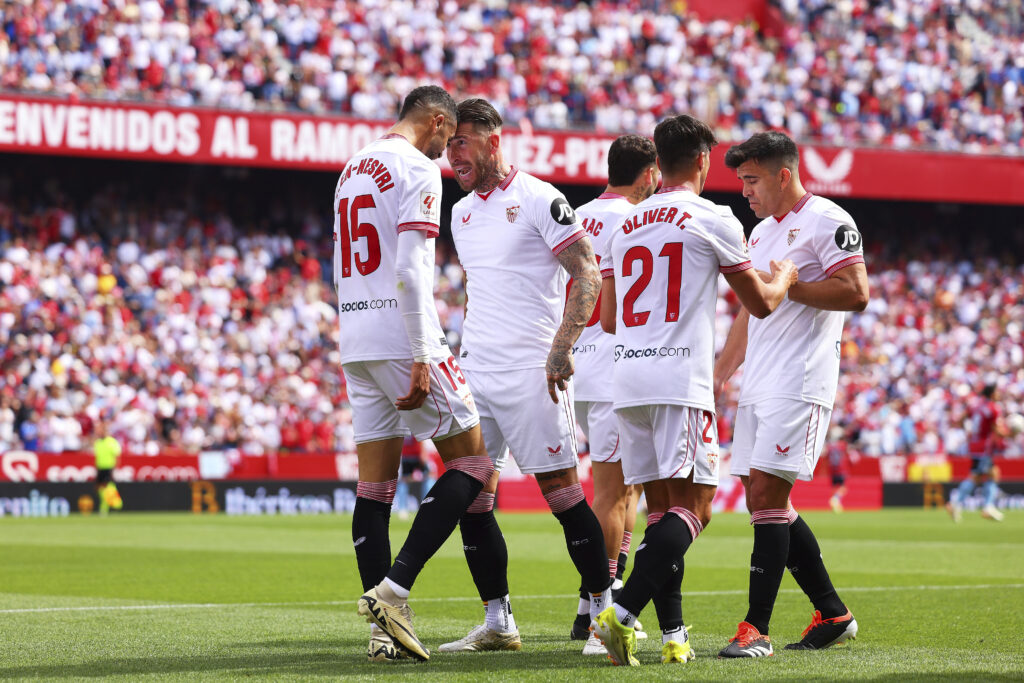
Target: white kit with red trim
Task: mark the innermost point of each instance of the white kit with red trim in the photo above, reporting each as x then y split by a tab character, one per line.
593	351
387	188
508	242
794	352
666	256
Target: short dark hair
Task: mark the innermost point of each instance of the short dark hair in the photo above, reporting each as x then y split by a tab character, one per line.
480	113
680	140
628	156
768	148
430	97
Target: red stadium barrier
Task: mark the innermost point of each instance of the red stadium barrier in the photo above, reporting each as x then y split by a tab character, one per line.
280	140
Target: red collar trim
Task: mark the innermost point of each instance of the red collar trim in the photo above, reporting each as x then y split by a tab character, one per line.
392	136
674	188
503	185
611	195
508	179
796	207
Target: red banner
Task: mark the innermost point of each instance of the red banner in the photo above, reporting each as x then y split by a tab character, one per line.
295	141
26	466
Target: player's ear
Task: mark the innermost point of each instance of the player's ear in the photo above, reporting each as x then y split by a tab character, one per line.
495	141
785	176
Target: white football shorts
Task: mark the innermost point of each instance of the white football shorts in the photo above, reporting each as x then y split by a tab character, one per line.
597	420
518	415
665	441
374	385
783	437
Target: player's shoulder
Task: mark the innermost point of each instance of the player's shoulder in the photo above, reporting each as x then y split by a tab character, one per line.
720	215
532	186
827	212
463	204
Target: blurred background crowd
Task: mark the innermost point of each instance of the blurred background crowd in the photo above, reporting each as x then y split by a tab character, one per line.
943	74
191	321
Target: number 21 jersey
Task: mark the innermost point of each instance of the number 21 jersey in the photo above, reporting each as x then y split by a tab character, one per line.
387	188
665	257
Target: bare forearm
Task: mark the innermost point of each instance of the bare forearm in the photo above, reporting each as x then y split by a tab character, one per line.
578	309
735	349
832	294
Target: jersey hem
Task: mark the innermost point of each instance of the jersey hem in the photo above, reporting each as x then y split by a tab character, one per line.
760	398
839	265
564	244
710	407
432	229
737	268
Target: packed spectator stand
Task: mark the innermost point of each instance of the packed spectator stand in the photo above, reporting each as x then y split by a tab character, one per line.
193	321
942	74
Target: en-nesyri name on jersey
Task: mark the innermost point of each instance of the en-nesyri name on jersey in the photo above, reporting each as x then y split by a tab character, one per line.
508	241
795	352
593	351
388	187
666	257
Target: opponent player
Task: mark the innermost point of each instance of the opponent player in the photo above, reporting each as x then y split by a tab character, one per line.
789	386
984	436
660	290
517	237
632	177
400	375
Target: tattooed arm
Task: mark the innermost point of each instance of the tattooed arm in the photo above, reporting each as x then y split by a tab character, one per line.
578	259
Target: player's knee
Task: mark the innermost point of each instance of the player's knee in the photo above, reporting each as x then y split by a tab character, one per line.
564	498
484	502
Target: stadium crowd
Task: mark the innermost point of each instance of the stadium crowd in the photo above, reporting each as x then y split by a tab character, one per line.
189	329
940	73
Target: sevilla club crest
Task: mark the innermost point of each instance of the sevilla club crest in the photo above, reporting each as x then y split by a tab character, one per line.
792	236
512	213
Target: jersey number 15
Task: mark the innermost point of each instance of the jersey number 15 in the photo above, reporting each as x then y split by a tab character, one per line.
350	231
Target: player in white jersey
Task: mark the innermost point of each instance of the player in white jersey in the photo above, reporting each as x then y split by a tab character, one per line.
632	177
517	239
661	267
789	384
400	375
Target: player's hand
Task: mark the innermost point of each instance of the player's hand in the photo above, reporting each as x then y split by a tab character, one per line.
718	385
419	388
785	269
559	368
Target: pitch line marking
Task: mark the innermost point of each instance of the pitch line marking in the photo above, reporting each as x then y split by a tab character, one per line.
328	603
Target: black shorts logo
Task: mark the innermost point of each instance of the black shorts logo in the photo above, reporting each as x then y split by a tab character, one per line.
562	212
848	239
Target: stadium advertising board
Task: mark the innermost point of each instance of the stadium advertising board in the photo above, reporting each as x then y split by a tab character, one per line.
59	499
286	140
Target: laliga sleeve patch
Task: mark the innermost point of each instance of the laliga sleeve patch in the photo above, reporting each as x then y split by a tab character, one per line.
430	206
848	239
562	212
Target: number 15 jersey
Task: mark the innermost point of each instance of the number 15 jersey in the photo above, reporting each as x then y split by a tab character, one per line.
387	188
665	257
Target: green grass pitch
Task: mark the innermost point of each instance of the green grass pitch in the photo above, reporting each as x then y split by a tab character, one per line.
176	596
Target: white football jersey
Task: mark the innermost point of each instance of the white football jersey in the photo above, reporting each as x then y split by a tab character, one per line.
665	257
508	241
794	352
593	350
388	187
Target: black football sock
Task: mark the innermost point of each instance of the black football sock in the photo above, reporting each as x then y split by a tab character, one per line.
585	542
370	520
435	521
659	556
486	554
767	565
807	567
668	600
620	568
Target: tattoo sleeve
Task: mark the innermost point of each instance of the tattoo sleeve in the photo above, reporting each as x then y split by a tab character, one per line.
578	259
